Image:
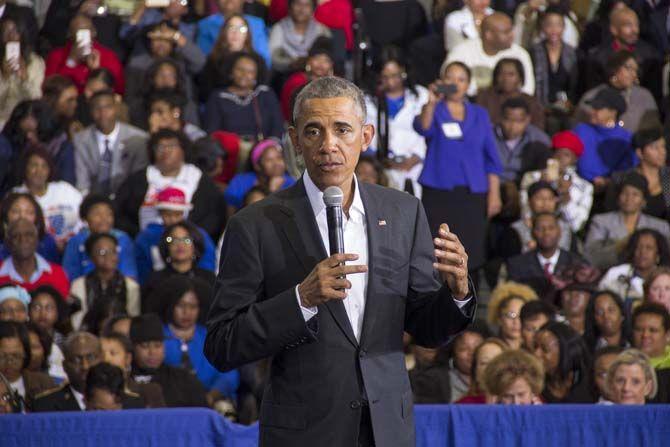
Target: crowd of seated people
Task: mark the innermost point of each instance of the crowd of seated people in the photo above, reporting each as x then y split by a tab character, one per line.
128	137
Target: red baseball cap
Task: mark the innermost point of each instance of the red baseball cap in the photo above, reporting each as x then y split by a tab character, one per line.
568	140
172	199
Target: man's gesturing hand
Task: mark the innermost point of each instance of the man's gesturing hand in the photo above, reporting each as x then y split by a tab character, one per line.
452	262
327	281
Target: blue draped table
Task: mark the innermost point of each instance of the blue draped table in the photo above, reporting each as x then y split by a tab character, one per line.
436	426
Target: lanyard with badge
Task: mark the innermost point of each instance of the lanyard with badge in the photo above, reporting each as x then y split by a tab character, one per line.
452	131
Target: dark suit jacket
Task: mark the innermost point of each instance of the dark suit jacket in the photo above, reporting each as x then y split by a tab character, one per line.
526	269
320	373
62	399
35	384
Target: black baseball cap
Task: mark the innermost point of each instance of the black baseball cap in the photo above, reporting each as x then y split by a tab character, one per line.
608	98
540	185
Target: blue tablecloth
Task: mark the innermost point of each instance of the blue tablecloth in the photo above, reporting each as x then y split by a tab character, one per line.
436	426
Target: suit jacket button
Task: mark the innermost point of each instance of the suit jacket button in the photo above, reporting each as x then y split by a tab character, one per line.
362	353
355	404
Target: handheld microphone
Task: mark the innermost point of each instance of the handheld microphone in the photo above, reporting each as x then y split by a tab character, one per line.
333	198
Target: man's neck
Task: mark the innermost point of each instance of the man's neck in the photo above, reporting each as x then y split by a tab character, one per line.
25	267
490	50
547	253
106	132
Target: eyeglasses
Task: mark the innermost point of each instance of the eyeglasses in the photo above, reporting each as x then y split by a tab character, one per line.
183	240
79	360
9	359
43	307
243	29
105	252
510	315
167	147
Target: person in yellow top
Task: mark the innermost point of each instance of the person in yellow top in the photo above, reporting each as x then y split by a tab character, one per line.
651	333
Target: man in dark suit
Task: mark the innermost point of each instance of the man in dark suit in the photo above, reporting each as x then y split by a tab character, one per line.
541	268
337	374
82	351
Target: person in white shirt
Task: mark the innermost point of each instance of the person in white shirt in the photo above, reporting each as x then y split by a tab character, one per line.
403	101
466	22
482	54
58	199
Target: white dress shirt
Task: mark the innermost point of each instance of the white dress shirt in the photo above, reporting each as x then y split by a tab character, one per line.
79	397
551	261
112	137
356	242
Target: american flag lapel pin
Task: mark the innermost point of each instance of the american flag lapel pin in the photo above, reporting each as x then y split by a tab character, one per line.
381	222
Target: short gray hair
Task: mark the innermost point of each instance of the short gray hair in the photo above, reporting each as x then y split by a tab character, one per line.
329	87
74	337
634	357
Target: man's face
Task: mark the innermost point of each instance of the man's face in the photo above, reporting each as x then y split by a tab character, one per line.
649	335
331	135
626	27
149	354
22	238
301	10
230	7
514	123
103	112
499	33
84	354
546	232
543	201
81	22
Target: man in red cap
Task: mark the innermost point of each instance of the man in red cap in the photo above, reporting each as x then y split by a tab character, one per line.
575	193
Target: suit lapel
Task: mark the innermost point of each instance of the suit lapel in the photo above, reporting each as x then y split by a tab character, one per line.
375	237
302	232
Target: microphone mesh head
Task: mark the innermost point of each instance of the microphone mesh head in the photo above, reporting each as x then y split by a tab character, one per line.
333	196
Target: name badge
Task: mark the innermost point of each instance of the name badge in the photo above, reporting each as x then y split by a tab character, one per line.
452	131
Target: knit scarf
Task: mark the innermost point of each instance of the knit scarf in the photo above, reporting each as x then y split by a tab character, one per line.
297	45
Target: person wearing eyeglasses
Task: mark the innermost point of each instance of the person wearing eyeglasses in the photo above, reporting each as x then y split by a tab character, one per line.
105	285
181	248
504	310
15	356
170	154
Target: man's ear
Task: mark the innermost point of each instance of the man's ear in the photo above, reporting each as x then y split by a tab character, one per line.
293	134
368	133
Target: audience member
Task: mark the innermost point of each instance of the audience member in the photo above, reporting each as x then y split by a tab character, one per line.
269	171
17	206
40	349
398	100
82	54
105	286
488	350
574	193
605	322
14	302
481	55
650	149
34	123
370	170
15	358
246	106
651	333
641	111
514	377
534	314
181	248
58	199
97	212
25	267
293	36
528	20
630	378
185	338
169	156
460	140
607	145
567	364
180	387
105	388
504	311
573	300
117	350
465	23
602	360
556	68
429	378
61	95
21	75
48	312
657	287
645	250
108	151
460	355
166	111
608	232
508	80
542	267
209	28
